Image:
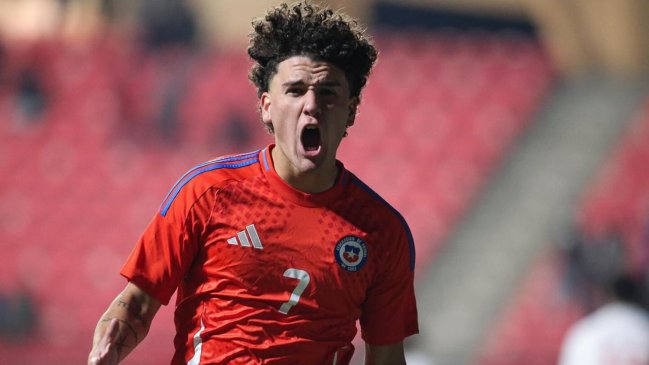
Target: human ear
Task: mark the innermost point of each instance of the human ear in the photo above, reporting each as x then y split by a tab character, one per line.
265	108
353	109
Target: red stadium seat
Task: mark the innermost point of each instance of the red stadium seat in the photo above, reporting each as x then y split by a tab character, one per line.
93	171
617	200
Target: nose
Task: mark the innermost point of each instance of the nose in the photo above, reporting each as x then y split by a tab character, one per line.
311	104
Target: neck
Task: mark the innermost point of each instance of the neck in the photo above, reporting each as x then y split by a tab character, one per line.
311	183
316	181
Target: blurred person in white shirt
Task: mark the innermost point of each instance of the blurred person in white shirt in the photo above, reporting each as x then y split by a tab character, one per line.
617	333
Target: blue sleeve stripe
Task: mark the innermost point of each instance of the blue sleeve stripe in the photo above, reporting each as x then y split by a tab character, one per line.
411	241
215	165
240	157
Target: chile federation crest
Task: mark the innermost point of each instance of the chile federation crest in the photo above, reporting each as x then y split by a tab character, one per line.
351	253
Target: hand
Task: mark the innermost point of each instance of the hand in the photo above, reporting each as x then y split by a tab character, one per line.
105	351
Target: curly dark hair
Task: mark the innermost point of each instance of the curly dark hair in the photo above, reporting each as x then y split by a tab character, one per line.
313	31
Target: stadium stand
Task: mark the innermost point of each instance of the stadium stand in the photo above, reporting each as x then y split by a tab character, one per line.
618	200
614	206
81	179
535	320
454	125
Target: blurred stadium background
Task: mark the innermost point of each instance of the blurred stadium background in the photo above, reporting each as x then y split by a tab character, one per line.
513	135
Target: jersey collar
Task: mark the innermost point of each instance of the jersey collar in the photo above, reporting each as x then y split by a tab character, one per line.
296	196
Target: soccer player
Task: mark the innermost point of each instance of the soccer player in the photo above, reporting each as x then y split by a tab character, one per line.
277	253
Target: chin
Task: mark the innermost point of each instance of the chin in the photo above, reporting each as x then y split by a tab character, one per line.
307	165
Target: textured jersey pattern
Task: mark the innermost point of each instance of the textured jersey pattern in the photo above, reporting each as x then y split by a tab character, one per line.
270	275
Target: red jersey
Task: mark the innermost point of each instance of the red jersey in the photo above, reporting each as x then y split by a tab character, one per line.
267	274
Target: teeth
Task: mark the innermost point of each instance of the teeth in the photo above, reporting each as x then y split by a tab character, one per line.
311	127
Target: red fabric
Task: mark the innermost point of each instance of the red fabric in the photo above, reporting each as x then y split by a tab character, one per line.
236	291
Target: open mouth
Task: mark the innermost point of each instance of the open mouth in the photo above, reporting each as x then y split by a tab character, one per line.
310	138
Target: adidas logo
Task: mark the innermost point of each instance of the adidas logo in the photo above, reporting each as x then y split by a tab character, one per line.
242	238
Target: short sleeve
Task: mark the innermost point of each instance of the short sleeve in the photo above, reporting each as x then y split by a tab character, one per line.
166	249
390	310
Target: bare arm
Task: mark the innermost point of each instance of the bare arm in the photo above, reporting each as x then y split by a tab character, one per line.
124	325
384	355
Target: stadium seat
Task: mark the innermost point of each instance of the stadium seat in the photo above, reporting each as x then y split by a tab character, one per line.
92	172
617	200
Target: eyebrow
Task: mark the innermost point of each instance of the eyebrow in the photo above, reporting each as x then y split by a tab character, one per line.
327	83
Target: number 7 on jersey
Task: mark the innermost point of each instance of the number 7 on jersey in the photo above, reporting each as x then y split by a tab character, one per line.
304	278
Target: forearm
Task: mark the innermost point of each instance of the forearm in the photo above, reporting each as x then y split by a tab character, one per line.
133	312
385	355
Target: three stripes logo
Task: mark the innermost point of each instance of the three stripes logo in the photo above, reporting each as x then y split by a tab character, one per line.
245	237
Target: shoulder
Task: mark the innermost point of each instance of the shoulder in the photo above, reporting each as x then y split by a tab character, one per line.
212	174
624	314
388	217
580	329
371	199
577	346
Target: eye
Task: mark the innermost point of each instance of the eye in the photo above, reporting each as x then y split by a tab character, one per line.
295	91
328	91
